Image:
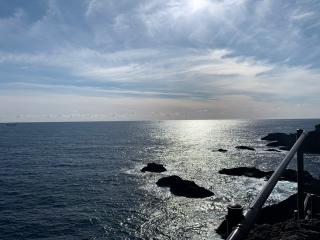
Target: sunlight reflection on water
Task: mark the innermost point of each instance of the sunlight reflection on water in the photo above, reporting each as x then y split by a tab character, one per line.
187	152
83	180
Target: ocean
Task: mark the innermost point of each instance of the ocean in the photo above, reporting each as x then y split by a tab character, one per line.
83	180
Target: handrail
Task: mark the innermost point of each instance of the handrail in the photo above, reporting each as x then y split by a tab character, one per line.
243	228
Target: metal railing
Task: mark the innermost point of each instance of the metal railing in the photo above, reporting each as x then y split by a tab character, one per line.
242	229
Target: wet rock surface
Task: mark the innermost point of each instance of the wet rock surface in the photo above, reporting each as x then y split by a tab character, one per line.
183	188
154	167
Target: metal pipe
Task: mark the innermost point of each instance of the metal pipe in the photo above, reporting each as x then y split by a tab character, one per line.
300	179
243	228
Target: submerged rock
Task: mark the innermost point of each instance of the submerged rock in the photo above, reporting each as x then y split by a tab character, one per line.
183	188
154	167
245	148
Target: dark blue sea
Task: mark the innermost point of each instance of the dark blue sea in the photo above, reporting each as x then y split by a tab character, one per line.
83	180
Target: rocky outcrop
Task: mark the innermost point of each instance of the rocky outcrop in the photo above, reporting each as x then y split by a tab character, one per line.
245	171
277	214
285	141
245	148
154	167
184	188
288	175
288	230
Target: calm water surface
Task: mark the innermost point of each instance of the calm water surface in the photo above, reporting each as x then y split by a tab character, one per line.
83	180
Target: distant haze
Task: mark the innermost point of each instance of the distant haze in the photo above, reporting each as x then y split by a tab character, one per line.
95	60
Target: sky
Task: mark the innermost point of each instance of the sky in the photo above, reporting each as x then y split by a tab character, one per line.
98	60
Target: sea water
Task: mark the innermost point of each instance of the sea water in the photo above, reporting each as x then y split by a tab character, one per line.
83	180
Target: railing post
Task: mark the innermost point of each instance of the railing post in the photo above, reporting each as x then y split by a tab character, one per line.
300	179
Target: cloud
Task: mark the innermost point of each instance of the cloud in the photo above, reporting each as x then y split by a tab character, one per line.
248	51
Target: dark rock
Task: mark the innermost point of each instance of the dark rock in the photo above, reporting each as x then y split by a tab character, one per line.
279	137
285	141
272	150
168	181
291	176
183	188
221	150
288	175
276	213
288	230
154	167
312	186
283	210
245	171
245	148
312	142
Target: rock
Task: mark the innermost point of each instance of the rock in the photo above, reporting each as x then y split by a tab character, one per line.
278	137
275	214
285	141
283	210
154	167
245	171
272	150
168	181
183	188
288	175
288	230
220	150
245	148
312	142
291	176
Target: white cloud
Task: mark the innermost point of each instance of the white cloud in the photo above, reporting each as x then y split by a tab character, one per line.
232	51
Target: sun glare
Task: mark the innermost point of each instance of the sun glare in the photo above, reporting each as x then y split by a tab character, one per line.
196	5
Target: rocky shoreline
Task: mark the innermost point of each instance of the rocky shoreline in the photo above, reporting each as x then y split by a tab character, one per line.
287	230
274	215
274	221
285	141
